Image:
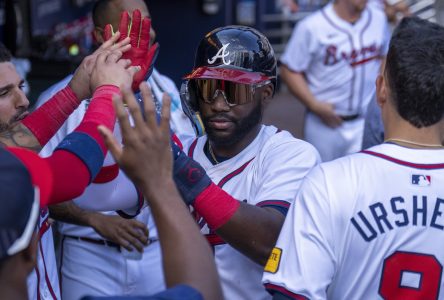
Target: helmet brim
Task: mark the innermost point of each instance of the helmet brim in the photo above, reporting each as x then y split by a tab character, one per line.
234	75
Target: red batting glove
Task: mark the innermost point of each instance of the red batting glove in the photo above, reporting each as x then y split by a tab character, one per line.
141	53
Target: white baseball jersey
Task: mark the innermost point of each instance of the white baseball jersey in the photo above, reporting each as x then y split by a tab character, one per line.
268	172
340	60
366	226
114	192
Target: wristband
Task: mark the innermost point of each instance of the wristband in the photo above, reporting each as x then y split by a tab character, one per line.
189	176
216	206
86	149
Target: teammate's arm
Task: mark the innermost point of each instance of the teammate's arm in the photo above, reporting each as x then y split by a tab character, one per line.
82	152
298	86
260	230
251	229
36	129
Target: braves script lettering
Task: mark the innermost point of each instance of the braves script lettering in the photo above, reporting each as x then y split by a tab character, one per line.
354	57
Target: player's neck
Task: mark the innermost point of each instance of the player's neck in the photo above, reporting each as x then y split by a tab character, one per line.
232	150
409	136
346	12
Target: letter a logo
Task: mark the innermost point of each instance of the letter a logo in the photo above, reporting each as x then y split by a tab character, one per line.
222	53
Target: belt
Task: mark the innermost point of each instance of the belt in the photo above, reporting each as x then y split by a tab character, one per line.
350	117
95	241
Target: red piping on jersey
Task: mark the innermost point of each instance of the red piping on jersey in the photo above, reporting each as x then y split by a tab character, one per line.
107	174
62	250
356	63
233	174
350	39
351	43
282	290
177	141
42	230
37	273
281	203
192	147
361	34
405	163
214	239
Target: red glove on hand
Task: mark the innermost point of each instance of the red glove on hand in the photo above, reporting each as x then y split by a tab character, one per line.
141	53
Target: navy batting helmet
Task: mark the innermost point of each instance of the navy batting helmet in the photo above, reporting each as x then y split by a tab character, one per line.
238	54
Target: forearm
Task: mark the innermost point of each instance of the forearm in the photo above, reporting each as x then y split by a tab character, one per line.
298	86
83	151
186	254
253	231
44	122
250	229
70	213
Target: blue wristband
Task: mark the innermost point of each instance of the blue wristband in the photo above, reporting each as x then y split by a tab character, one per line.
86	149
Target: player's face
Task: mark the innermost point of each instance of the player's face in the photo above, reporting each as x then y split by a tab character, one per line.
227	125
13	101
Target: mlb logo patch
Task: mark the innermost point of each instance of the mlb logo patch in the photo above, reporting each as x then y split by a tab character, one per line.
421	180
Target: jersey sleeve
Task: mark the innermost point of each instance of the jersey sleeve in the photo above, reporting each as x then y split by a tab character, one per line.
282	170
302	263
300	48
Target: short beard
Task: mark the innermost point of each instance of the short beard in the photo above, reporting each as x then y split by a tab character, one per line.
242	128
5	126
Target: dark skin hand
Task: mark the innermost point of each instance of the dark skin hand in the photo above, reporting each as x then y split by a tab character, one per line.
128	233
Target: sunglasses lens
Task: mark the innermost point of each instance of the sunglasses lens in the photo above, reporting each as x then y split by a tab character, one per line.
235	93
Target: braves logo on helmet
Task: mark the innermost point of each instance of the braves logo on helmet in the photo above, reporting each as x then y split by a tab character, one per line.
222	53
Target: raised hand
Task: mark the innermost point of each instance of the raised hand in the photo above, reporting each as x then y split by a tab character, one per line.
146	155
111	69
80	83
142	53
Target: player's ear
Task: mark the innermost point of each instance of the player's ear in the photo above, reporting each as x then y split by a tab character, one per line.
98	35
381	90
267	93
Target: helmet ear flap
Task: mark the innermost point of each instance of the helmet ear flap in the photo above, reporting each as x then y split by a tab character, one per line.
190	105
188	96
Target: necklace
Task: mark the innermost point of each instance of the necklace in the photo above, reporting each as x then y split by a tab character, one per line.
210	149
414	143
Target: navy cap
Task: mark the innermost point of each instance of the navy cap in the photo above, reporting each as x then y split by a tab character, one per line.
25	185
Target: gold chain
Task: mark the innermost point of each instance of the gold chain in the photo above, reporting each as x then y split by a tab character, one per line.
210	149
414	143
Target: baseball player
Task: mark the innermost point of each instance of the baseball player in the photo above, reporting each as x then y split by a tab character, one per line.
369	225
330	64
85	253
194	276
242	175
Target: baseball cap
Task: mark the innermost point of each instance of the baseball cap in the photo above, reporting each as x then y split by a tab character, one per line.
25	186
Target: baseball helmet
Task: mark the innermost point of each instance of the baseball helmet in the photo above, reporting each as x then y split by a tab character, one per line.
239	54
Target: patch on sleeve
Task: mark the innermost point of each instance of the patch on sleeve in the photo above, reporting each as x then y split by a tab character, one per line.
274	260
